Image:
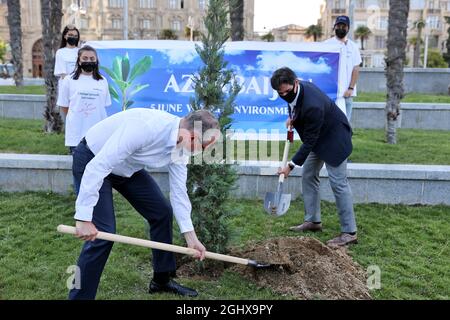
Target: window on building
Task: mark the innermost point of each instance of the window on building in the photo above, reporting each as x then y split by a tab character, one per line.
86	3
336	4
176	25
383	4
433	42
202	4
84	23
382	23
380	42
361	4
115	3
146	24
433	22
432	4
146	4
173	4
117	23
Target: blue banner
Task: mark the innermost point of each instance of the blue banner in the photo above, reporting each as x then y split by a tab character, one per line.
158	74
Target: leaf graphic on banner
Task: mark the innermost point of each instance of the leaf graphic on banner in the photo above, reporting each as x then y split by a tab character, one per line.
129	103
138	88
125	67
141	67
109	72
117	67
114	93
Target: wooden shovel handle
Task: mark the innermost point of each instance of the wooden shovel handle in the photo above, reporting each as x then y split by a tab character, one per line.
285	156
155	245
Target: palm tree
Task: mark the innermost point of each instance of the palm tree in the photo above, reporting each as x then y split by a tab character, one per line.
395	60
315	31
51	14
15	36
419	25
237	19
269	37
363	33
447	55
167	34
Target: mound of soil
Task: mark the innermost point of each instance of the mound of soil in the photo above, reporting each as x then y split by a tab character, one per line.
305	268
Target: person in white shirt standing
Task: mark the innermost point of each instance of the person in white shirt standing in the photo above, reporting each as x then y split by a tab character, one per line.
83	97
66	55
114	154
349	65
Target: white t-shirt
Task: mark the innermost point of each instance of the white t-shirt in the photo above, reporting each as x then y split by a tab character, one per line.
65	61
350	57
86	99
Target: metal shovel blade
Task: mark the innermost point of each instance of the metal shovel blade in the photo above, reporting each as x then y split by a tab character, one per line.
277	204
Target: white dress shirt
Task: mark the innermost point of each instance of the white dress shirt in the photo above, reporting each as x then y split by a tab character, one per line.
127	142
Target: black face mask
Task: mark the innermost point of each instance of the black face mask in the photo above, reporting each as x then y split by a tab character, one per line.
290	96
88	66
72	41
340	33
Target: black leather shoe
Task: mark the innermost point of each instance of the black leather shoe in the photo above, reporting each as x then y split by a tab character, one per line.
172	287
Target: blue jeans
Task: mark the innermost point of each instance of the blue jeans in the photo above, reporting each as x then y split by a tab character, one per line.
348	108
145	196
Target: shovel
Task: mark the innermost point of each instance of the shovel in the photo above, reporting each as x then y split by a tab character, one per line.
278	203
168	247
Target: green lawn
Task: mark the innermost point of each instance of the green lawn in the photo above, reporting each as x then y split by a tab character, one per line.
409	244
362	96
22	90
410	97
414	146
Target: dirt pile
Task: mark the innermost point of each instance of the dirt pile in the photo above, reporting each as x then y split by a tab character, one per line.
306	269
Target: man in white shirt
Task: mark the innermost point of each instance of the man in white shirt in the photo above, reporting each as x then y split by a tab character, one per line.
114	154
349	65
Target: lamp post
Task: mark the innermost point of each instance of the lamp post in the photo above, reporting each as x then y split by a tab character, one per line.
125	19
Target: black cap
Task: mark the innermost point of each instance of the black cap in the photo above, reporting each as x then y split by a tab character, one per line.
343	19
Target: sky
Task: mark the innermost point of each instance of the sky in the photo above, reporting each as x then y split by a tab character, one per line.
270	14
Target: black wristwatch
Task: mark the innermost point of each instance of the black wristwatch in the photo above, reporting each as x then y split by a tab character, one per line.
350	88
291	165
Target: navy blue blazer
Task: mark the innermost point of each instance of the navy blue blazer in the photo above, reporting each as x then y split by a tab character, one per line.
322	126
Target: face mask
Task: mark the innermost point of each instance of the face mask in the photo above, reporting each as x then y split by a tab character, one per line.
290	96
340	33
72	41
88	66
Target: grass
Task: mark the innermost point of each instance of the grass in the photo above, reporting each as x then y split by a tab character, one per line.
410	97
409	244
413	147
22	90
27	136
369	146
362	96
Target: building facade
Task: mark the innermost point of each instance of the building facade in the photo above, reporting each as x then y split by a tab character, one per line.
104	20
291	33
374	14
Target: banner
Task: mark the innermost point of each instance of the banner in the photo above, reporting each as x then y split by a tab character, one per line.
158	74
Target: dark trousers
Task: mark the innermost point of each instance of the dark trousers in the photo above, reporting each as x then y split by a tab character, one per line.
145	196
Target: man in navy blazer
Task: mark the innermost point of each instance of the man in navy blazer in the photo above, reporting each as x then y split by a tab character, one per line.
327	139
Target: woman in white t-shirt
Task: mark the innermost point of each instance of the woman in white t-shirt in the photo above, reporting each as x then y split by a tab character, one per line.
66	55
83	97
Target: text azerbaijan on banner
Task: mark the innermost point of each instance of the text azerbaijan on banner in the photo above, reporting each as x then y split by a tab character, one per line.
158	74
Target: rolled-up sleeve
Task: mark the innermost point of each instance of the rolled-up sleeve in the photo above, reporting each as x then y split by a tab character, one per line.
179	198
